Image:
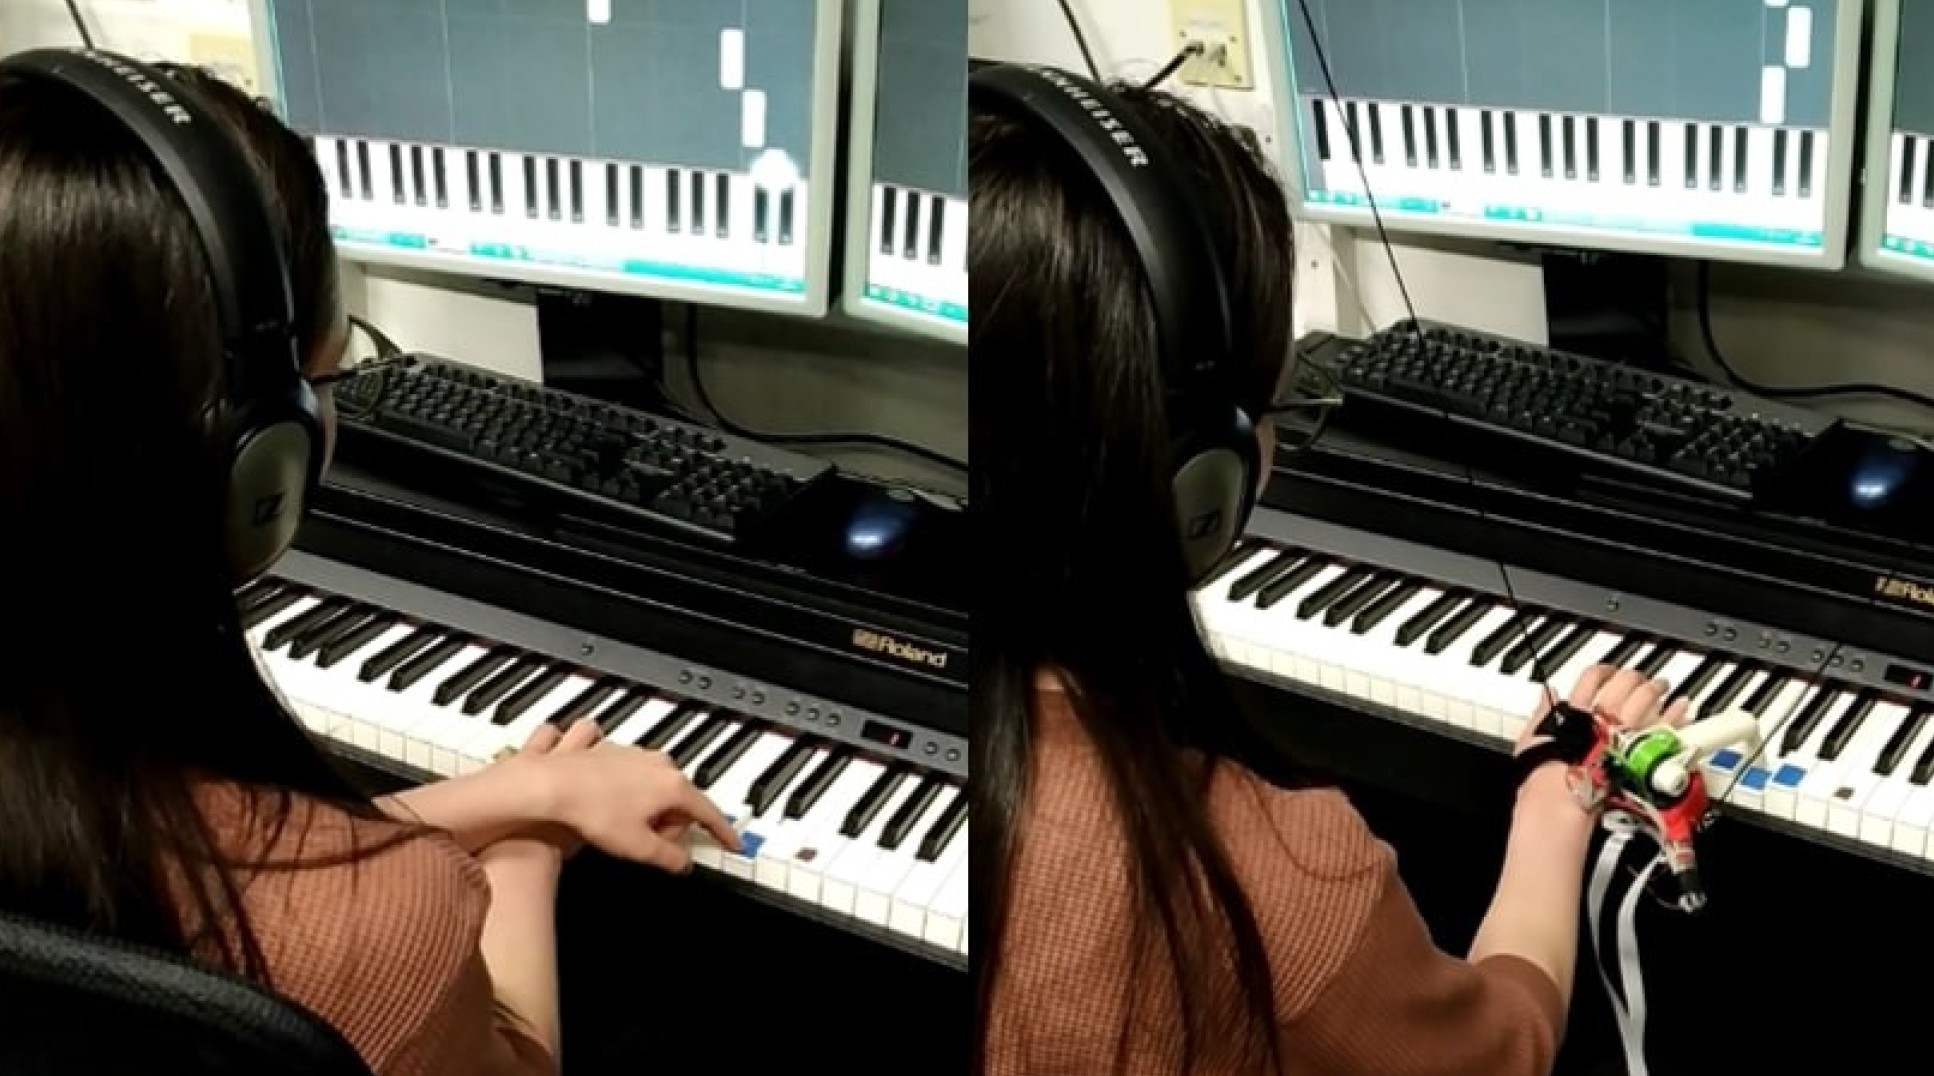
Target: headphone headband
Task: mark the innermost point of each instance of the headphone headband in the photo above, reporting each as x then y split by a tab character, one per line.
1148	194
246	260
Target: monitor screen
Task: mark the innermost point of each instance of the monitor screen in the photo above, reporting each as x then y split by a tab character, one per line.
1897	232
1717	129
682	149
906	221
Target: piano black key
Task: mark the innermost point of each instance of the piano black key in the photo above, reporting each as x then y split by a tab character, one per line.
1716	163
785	217
473	180
936	227
530	187
465	680
1459	622
674	218
1451	139
577	192
1729	689
255	615
910	239
1349	605
1692	156
1849	723
1512	630
1376	133
586	702
284	633
722	206
428	660
1329	592
671	725
1805	183
1409	135
1624	650
771	784
1238	555
1356	129
383	661
1779	161
1524	652
911	811
1740	136
1487	140
1374	614
396	173
1545	147
439	171
1322	129
875	797
807	795
1661	655
637	196
1430	137
1510	124
1908	146
1289	582
418	175
1927	189
1765	693
553	190
1695	685
506	680
1923	766
1571	147
889	218
1630	143
943	829
1652	144
698	203
255	591
687	750
1562	652
611	185
342	168
535	690
726	755
1900	741
329	631
1591	148
1254	580
762	216
613	717
1428	617
1801	727
363	171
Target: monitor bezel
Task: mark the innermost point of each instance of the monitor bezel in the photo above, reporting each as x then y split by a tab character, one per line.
1832	254
814	302
1883	58
856	248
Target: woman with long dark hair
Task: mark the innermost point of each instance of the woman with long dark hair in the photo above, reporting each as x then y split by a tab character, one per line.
1141	904
153	786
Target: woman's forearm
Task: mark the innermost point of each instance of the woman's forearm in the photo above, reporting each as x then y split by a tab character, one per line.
482	808
520	933
1534	914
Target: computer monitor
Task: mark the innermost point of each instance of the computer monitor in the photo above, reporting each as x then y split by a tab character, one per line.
1718	129
906	198
1897	200
674	149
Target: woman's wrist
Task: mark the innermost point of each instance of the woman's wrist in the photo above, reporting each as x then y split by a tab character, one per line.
533	789
1546	800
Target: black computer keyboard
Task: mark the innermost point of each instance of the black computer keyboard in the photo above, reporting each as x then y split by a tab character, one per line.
600	459
1678	433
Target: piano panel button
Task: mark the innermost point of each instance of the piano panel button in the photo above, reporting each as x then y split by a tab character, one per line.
1452	139
690	747
840	885
468	678
1352	603
674	722
726	755
773	783
1375	613
1331	590
256	613
286	630
1319	113
819	777
1297	580
1459	624
542	686
1427	619
813	841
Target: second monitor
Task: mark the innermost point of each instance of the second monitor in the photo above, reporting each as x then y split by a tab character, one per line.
680	149
1719	129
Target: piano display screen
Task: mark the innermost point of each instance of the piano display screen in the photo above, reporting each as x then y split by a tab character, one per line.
1901	175
1720	129
672	148
909	265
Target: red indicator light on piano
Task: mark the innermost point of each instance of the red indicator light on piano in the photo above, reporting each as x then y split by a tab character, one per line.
1908	677
887	735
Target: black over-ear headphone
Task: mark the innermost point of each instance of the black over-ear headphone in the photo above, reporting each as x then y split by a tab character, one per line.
267	421
1216	453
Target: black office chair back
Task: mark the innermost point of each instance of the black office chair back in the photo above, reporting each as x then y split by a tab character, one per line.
73	1004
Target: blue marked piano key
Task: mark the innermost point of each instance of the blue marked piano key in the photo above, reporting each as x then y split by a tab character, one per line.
750	843
1755	779
1726	759
1789	776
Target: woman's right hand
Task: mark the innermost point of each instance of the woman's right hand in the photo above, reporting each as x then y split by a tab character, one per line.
628	802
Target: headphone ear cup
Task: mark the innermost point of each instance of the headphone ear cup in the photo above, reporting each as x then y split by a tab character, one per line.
269	477
1214	490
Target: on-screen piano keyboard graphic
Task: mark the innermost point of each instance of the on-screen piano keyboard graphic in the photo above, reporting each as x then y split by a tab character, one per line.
1848	762
1751	183
1910	196
918	256
854	835
686	224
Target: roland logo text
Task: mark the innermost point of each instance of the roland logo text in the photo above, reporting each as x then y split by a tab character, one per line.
1904	590
874	642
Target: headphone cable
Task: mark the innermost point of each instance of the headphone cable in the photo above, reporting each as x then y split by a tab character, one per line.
80	24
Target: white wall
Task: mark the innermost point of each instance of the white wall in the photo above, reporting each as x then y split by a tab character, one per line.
767	373
1778	327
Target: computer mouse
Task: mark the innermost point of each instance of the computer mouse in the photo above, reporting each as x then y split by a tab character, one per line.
1884	468
881	524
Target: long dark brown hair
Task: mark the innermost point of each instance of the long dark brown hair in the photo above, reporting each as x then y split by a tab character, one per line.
1072	503
125	677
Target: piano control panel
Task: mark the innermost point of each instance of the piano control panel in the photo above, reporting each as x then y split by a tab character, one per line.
810	712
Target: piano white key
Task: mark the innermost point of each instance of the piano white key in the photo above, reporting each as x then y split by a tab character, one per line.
947	918
1888	793
873	899
730	794
1822	779
633	729
1913	829
365	706
840	886
812	843
1786	770
921	887
1847	804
